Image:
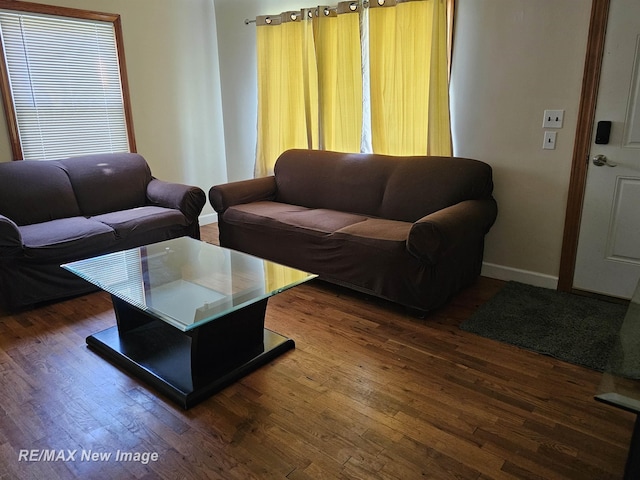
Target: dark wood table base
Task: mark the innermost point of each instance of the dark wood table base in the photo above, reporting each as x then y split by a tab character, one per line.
188	367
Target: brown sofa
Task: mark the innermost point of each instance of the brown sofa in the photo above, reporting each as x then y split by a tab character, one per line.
407	229
57	211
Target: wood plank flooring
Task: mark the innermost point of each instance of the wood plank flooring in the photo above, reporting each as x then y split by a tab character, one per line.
370	391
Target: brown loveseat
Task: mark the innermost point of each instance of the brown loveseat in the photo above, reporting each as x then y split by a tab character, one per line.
408	229
57	211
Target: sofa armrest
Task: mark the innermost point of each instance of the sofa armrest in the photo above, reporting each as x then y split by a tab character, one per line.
10	237
244	191
435	234
188	199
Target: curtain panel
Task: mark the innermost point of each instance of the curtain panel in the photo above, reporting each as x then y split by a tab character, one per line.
287	88
339	80
353	79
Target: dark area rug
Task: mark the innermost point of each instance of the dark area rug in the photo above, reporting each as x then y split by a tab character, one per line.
581	330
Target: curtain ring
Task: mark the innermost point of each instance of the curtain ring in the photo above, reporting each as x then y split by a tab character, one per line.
268	20
293	16
326	11
381	2
353	6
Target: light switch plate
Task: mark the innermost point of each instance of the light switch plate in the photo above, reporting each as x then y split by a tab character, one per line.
553	119
549	141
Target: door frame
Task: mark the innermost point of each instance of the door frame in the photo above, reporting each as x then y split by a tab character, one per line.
582	144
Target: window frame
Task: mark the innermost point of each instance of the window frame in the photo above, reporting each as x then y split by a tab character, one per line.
5	85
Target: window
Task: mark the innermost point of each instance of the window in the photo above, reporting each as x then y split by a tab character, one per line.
63	82
369	77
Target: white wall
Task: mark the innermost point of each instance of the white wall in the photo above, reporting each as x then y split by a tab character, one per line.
512	60
172	62
238	76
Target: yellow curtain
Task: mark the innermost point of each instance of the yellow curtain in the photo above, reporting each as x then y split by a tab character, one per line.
409	78
339	79
310	80
439	129
287	88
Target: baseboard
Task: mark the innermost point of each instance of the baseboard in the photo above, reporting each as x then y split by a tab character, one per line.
208	218
501	272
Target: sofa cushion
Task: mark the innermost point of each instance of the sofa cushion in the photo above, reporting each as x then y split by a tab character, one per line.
291	217
377	232
420	186
34	191
74	237
135	221
108	182
383	186
347	182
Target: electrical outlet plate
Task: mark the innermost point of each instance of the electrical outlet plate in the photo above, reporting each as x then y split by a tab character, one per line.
553	119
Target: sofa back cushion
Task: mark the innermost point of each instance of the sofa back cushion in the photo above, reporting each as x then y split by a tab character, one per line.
34	191
348	182
108	182
396	188
420	186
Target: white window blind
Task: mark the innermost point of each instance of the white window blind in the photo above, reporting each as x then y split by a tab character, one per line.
65	83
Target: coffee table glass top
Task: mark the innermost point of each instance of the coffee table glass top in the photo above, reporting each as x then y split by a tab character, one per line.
186	282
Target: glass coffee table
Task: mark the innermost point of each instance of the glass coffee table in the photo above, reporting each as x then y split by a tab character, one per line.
190	315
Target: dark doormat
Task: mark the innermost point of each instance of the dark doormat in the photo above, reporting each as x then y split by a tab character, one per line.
580	330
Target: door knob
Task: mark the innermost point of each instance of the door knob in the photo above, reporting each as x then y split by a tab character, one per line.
600	160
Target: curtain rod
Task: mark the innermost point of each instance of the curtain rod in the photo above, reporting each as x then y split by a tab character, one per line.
353	6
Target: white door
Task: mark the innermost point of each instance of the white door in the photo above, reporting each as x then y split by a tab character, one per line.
608	257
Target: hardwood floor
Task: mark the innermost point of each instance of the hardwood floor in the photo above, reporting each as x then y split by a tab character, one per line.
370	391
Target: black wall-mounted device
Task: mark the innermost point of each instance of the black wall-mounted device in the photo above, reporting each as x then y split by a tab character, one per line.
602	132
